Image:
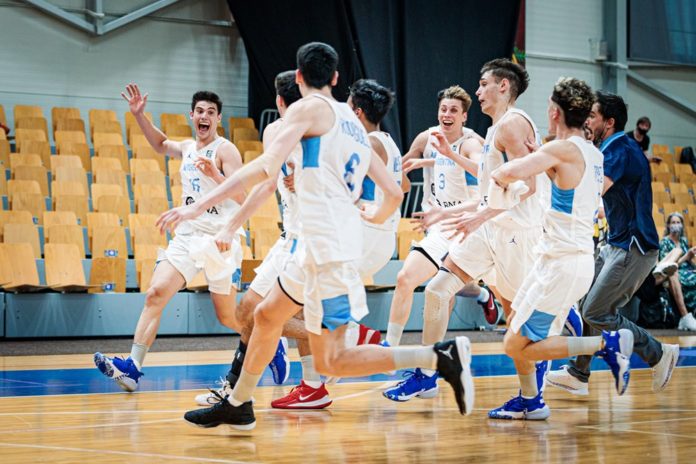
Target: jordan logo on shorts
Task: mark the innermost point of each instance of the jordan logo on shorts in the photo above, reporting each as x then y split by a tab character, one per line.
513	241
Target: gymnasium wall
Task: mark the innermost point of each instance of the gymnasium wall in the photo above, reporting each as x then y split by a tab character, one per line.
171	55
557	45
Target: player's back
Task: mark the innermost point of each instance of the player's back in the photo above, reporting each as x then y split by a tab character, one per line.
329	181
373	195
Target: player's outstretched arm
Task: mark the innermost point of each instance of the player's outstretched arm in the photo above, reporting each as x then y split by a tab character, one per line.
392	192
155	137
547	157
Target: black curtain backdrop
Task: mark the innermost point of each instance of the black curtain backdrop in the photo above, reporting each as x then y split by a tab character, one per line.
415	47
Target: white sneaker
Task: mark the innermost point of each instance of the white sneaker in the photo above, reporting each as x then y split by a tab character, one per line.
562	379
663	370
665	270
687	323
214	396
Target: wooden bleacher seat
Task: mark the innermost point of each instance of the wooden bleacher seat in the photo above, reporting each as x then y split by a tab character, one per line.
3	182
59	113
179	130
59	218
682	197
24	159
151	178
101	115
661	197
37	147
101	139
32	123
676	187
149	191
104	162
23	233
3	117
249	269
95	220
78	149
244	133
145	251
63	137
78	204
19	258
108	271
246	252
151	205
132	125
23	136
249	145
138	140
663	177
141	220
73	125
15	186
109	177
169	120
13	217
68	161
404	240
221	131
99	190
27	111
173	168
263	240
3	135
117	152
35	203
105	127
263	223
64	174
107	240
64	270
4	152
198	283
148	235
141	166
117	204
146	152
236	123
133	131
35	173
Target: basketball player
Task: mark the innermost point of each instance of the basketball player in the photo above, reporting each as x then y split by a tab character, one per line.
563	270
451	185
205	163
322	274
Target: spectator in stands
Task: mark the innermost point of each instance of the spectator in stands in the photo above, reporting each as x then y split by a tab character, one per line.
640	134
682	285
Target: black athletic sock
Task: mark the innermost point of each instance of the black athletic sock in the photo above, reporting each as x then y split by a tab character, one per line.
237	363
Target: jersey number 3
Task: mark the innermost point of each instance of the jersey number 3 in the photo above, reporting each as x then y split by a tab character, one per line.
353	161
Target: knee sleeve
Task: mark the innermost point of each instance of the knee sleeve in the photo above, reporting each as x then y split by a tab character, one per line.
438	294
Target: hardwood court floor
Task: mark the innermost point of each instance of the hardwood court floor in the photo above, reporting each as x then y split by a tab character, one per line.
361	426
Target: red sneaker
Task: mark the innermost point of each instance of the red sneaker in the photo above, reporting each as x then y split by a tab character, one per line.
304	397
368	336
490	309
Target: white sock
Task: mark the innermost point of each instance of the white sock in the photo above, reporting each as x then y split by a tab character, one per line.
483	296
528	385
394	333
414	356
584	345
309	375
138	353
242	391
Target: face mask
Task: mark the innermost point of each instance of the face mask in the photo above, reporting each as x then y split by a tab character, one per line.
676	229
642	131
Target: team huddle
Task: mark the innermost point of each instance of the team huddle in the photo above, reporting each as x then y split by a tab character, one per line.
504	210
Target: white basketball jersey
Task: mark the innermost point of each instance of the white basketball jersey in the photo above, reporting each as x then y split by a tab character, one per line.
569	219
529	212
195	184
374	196
329	180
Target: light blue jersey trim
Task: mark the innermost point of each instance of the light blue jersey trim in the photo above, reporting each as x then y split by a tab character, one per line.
537	326
562	200
609	141
471	179
310	152
368	190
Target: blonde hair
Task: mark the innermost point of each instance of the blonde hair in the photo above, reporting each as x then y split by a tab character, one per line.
455	92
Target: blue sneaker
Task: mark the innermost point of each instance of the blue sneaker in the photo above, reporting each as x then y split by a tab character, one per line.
123	371
280	364
520	408
618	347
542	368
574	322
415	383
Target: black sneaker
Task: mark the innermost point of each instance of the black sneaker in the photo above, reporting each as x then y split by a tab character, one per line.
239	417
454	365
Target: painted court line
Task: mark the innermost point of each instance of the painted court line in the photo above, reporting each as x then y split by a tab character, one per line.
91	426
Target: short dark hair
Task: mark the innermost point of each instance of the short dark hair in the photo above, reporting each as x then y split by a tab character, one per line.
287	88
455	92
612	106
575	98
517	76
644	120
206	95
374	99
317	62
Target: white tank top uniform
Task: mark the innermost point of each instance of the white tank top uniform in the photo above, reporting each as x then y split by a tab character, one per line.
193	248
379	240
288	200
564	268
323	272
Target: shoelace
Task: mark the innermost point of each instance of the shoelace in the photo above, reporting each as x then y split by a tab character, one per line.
408	375
216	393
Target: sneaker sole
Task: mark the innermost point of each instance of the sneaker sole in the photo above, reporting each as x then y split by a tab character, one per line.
672	364
103	365
569	389
319	404
538	415
464	351
217	424
626	346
